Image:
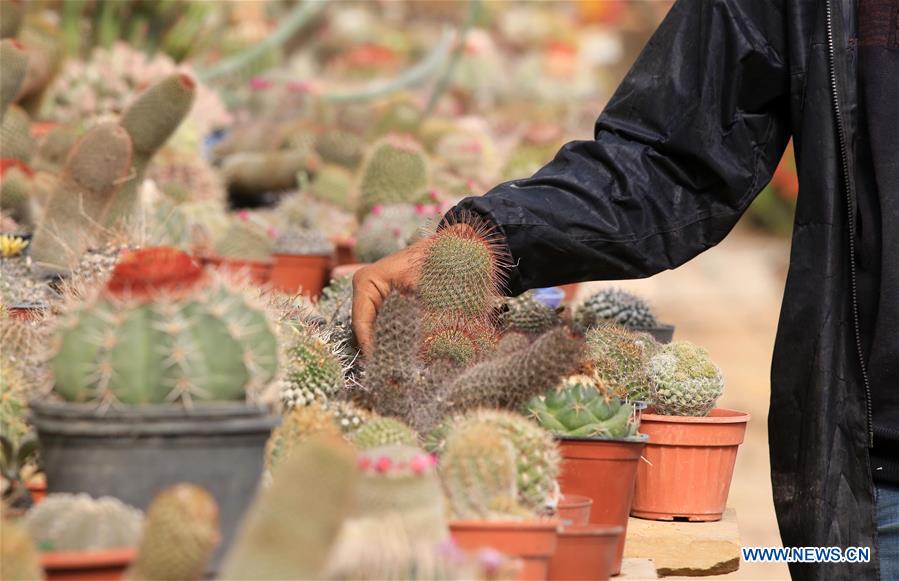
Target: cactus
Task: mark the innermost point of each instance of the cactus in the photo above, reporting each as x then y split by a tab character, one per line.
388	229
341	148
302	210
348	416
15	196
186	178
400	115
210	341
19	558
395	171
384	432
11	18
460	341
93	173
13	65
314	371
335	305
333	184
620	358
247	238
615	306
525	314
15	135
77	522
180	532
479	476
13	403
302	242
286	535
54	148
684	381
578	409
257	173
297	426
469	152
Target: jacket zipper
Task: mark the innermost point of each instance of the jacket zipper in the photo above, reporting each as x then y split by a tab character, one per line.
850	204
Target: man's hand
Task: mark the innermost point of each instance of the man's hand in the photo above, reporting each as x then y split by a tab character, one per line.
371	285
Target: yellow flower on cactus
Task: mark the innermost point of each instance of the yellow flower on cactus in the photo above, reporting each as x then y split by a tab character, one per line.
11	245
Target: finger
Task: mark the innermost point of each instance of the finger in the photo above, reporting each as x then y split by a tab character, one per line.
366	300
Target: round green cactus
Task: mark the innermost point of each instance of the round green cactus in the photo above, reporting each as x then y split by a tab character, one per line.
458	341
525	314
620	358
77	522
684	380
384	432
394	172
579	409
314	371
614	306
211	342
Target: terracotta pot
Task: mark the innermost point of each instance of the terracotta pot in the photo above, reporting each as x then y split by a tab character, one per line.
27	311
689	465
347	269
585	553
292	273
534	542
258	271
345	252
574	510
37	487
604	470
104	565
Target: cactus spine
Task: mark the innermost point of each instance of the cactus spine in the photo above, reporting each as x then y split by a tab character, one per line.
314	371
684	380
578	409
77	522
394	172
620	359
615	306
384	432
525	314
297	426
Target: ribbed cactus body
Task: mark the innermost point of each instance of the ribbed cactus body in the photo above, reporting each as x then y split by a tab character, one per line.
19	558
614	306
578	409
180	532
394	172
620	358
77	522
333	184
525	314
313	371
13	64
214	343
13	400
15	135
297	426
684	380
384	432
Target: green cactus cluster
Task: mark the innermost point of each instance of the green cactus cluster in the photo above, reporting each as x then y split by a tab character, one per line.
614	306
16	200
211	342
620	358
180	532
379	432
684	381
333	184
395	171
578	409
526	314
186	177
77	522
389	229
313	371
302	242
247	238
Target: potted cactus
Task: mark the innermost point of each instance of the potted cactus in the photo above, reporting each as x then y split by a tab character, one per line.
600	450
623	309
692	444
245	247
302	261
154	378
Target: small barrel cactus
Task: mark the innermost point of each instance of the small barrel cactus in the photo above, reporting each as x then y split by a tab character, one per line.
384	432
614	306
180	532
313	371
348	416
247	238
388	229
620	358
303	242
578	409
394	171
298	425
525	314
458	341
684	381
77	522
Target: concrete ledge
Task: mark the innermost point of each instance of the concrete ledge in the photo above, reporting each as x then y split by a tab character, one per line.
687	549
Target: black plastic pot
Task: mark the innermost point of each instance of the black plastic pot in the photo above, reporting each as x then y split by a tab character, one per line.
133	452
661	333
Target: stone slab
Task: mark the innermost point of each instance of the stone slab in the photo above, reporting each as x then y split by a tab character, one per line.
637	570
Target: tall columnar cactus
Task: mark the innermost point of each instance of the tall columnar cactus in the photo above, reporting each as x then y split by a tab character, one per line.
77	522
19	558
288	535
333	184
246	239
15	135
479	476
94	171
578	409
313	371
525	314
614	306
620	359
384	432
297	426
13	65
684	380
259	172
149	121
180	532
210	341
395	171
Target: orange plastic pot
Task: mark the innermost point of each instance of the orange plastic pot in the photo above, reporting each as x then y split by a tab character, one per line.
604	470
347	269
585	552
258	271
689	465
38	489
574	510
26	313
534	542
345	252
292	273
104	565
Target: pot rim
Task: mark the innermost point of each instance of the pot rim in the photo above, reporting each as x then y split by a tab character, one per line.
87	559
575	501
310	256
591	530
216	260
550	524
731	417
638	439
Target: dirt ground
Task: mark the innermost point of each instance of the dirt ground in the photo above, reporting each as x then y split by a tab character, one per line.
727	300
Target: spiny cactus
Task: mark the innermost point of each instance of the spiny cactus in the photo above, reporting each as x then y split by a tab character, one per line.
297	426
333	184
578	409
477	469
209	341
614	306
348	416
15	196
469	152
11	18
302	210
13	402
286	535
13	65
395	171
19	558
55	147
384	432
302	242
246	238
313	371
336	307
620	358
461	341
77	522
525	314
256	173
186	178
180	532
15	135
388	229
149	121
341	148
93	173
684	380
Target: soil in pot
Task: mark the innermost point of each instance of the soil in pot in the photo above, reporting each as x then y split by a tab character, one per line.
292	273
258	271
585	553
689	465
604	470
104	565
534	542
574	510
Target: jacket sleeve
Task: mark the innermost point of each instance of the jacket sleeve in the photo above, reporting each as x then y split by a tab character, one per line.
692	134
